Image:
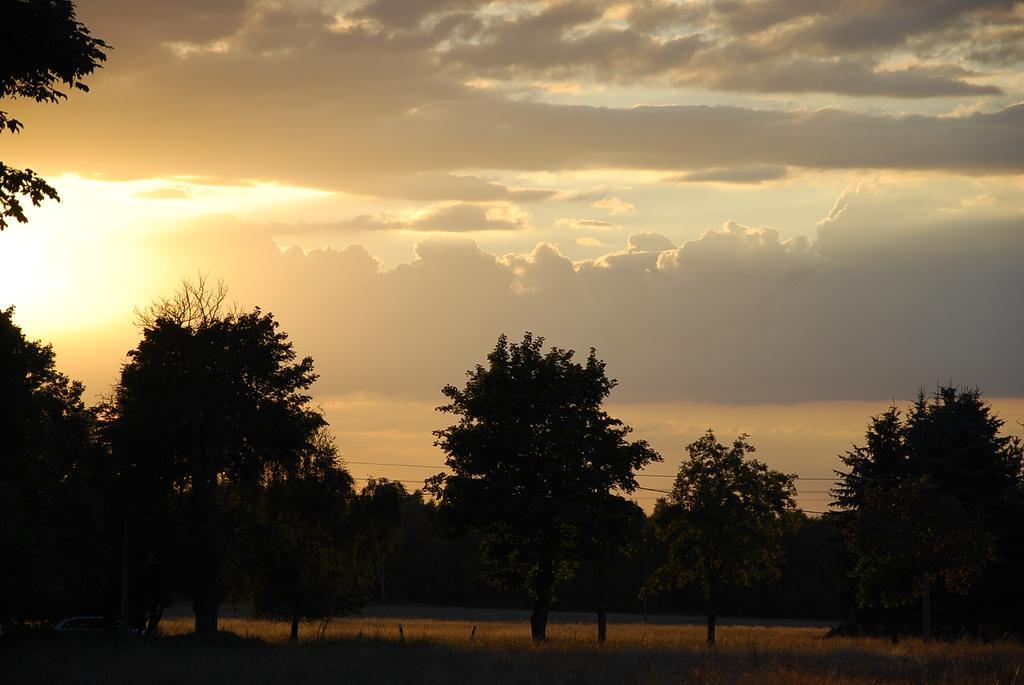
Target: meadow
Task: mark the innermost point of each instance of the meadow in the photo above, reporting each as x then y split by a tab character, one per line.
373	650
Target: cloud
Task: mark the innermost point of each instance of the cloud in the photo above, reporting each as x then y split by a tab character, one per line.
434	186
466	217
742	175
849	25
614	205
406	15
145	26
764	46
455	217
740	315
648	242
506	135
165	193
378	105
1002	46
543	137
585	224
848	76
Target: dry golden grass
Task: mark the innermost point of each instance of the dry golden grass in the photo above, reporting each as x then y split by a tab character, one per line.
369	650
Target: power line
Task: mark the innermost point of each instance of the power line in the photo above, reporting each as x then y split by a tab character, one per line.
639	487
384	463
667	475
638	497
639	475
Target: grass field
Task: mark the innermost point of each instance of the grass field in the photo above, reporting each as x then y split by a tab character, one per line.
369	650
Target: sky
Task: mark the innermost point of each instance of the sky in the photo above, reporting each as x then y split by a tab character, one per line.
775	217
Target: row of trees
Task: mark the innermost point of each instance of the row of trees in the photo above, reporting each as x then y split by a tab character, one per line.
541	472
208	473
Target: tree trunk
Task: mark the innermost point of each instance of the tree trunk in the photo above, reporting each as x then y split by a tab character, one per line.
643	570
712	615
894	626
294	634
602	614
542	605
153	622
206	617
926	608
206	593
126	561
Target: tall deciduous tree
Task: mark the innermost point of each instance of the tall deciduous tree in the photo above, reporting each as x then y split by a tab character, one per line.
44	46
209	397
724	522
532	457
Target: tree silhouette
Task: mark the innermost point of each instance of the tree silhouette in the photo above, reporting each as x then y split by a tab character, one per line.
298	556
208	399
51	517
724	522
532	457
610	527
935	501
44	45
377	520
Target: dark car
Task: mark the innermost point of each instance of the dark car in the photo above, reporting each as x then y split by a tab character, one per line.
89	624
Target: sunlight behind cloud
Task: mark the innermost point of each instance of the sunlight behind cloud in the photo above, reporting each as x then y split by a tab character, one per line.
82	263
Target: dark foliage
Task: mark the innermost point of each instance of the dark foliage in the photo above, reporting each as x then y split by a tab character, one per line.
309	547
535	462
208	399
933	513
51	516
44	47
724	522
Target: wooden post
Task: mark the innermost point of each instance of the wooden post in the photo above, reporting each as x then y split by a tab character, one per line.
602	615
926	608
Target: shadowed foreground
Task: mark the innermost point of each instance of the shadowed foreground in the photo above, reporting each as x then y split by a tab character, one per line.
371	651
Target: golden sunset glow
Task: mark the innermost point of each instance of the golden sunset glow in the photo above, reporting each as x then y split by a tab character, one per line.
766	220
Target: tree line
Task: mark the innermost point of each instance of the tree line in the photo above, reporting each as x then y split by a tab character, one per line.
208	474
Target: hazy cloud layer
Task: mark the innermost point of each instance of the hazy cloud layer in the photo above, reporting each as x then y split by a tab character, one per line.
406	100
496	134
738	316
755	174
455	217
